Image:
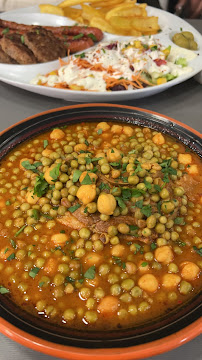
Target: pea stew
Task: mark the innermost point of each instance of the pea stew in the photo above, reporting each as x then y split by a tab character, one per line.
100	225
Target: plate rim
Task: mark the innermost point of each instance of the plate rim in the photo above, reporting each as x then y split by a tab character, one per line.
126	353
83	96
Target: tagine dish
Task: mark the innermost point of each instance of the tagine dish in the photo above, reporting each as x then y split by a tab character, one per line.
100	225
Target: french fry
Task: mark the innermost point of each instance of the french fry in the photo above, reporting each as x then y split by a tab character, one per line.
121	17
117	11
66	3
119	22
105	4
102	24
51	9
135	11
146	24
72	13
88	12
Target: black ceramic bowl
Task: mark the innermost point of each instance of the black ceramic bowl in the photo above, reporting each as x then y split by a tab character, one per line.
154	336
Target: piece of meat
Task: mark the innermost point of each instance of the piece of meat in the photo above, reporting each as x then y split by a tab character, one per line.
73	46
134	238
102	226
5	59
71	221
94	33
192	186
4	31
91	32
44	45
14	47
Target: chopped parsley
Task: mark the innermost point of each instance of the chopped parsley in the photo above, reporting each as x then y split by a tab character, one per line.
121	203
87	180
5	31
13	243
167	170
153	246
41	283
146	210
3	290
79	36
104	186
54	173
11	257
119	262
198	251
69	279
19	231
74	208
144	263
76	175
92	36
147	184
153	48
41	186
45	143
8	203
179	221
35	214
33	167
90	273
82	55
99	131
22	38
33	272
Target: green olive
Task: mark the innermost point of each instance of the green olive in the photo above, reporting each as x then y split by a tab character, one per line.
181	40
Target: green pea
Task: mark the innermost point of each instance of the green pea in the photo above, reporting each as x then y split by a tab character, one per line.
133	179
164	193
185	287
73	190
115	290
84	233
167	207
160	228
105	169
56	195
68	149
151	222
127	284
63	178
178	191
136	292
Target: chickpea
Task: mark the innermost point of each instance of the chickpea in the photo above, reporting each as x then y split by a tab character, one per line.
113	154
103	125
164	254
106	204
171	280
118	250
59	239
31	198
57	134
190	271
148	282
86	193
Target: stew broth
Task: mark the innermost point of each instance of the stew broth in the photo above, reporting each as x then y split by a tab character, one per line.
100	225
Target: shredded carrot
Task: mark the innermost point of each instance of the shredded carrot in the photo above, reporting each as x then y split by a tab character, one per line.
62	62
136	82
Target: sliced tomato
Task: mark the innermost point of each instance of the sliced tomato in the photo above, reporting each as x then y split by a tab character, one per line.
160	62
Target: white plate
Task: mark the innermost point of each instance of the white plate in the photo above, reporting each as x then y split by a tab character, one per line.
21	75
